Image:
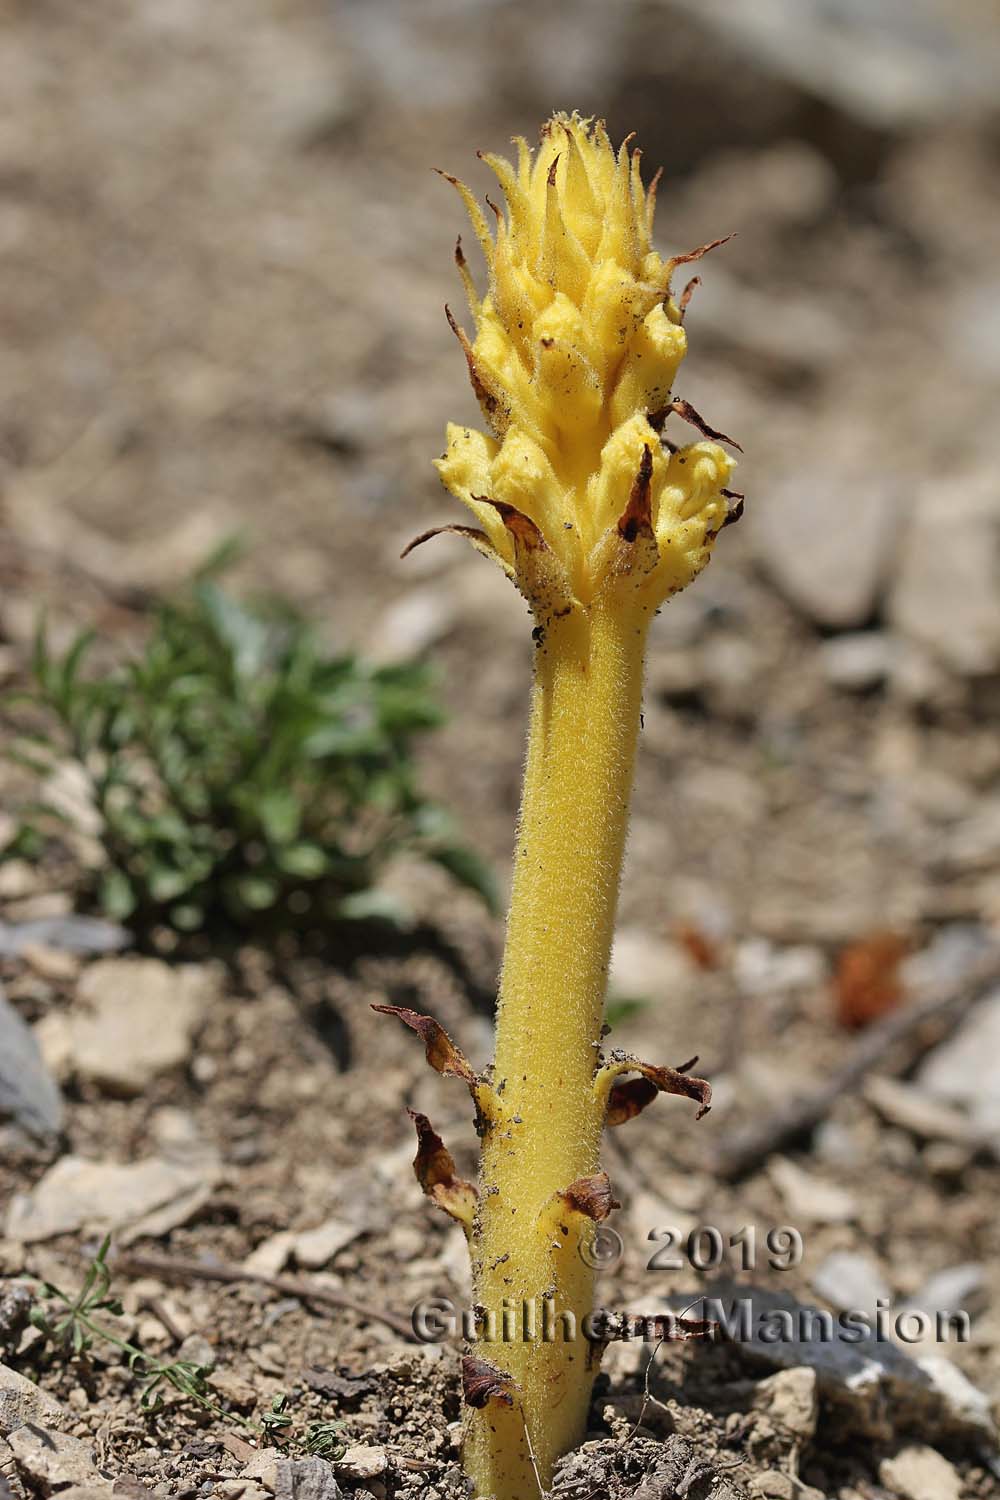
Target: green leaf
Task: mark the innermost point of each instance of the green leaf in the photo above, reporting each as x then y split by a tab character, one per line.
280	815
306	860
256	892
362	906
469	869
117	896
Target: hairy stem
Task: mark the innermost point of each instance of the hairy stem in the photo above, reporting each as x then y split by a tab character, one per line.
546	1134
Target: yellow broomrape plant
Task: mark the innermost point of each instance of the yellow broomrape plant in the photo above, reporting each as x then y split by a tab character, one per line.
597	517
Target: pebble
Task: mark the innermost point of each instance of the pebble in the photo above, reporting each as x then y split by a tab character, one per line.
28	1093
21	1400
920	1473
957	1288
263	1466
272	1254
68	934
790	1399
775	1485
809	1197
847	1280
858	660
305	1479
315	1248
964	1069
761	967
135	1019
52	1459
53	964
360	1462
872	1388
645	967
834	574
945	594
911	1108
198	1350
413	623
149	1196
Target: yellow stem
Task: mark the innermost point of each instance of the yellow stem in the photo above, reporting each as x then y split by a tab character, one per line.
584	725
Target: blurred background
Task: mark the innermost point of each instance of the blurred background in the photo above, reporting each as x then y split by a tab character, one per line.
225	258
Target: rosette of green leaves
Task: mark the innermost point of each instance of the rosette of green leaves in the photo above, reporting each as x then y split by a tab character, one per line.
239	770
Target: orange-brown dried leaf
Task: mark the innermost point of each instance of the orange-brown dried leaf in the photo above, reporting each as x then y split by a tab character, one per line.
483	1382
698	946
626	1100
591	1196
434	1169
442	1054
868	983
521	527
637	518
686	411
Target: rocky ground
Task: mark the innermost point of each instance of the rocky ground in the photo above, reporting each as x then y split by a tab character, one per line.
225	259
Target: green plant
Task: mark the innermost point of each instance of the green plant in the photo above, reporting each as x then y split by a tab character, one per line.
238	770
70	1325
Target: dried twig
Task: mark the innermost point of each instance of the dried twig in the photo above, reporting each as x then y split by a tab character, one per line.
178	1268
743	1150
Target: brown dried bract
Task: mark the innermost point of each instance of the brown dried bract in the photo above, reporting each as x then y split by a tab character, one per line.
442	1054
492	408
483	1382
434	1169
637	517
683	260
521	527
687	294
685	410
472	534
626	1100
591	1196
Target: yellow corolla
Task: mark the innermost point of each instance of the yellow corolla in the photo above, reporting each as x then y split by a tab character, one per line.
578	341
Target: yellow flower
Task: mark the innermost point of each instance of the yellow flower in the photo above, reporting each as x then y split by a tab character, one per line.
578	341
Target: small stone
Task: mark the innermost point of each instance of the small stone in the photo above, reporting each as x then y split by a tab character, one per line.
270	1357
810	1197
52	1459
858	660
136	1018
408	627
68	934
21	1400
960	1288
271	1255
360	1462
848	1280
53	964
911	1108
315	1248
964	1071
263	1466
645	966
790	1399
833	574
305	1479
920	1473
761	967
870	1385
198	1350
237	1390
28	1094
101	1196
